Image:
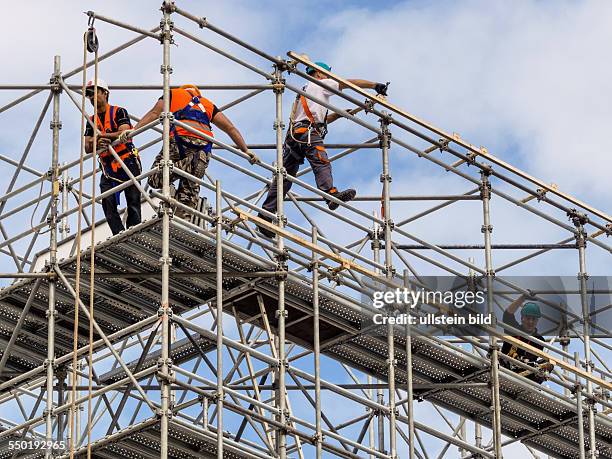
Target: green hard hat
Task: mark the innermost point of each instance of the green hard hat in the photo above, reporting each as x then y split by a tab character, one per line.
531	309
310	70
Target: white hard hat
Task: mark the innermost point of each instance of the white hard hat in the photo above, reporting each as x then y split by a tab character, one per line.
101	84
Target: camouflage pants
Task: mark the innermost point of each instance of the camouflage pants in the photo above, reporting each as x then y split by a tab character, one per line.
194	162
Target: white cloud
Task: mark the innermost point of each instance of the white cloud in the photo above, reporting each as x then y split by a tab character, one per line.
529	79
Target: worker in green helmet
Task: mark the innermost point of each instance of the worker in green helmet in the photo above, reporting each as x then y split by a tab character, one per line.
530	315
305	138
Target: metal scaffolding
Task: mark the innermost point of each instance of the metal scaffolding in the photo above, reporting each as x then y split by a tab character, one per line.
201	338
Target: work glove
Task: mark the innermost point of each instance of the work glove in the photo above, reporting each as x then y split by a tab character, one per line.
381	88
103	142
253	158
123	136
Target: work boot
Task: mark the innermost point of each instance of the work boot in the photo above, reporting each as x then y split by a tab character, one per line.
264	231
344	196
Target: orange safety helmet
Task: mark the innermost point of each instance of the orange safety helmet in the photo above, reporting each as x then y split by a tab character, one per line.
192	89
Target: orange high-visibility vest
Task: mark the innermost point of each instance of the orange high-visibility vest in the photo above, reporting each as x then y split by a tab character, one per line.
196	111
110	126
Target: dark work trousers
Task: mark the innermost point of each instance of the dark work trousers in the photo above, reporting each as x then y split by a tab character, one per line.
131	193
294	152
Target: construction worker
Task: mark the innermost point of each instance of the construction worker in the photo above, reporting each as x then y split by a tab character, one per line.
307	129
530	315
111	122
189	151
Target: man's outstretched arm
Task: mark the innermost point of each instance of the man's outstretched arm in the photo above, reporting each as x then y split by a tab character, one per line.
380	88
224	123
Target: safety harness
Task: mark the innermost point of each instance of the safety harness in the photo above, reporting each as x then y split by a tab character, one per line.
198	119
124	150
302	126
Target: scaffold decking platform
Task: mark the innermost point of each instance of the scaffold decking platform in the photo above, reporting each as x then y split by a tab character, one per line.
191	335
528	413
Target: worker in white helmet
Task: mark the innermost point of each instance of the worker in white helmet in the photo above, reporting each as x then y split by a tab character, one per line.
111	121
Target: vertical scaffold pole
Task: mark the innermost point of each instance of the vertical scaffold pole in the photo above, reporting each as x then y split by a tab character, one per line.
385	178
578	393
487	229
61	374
477	427
65	189
317	344
219	278
165	311
56	125
380	398
579	221
410	392
281	259
477	435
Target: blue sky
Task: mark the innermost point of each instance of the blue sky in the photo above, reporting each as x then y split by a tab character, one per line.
528	80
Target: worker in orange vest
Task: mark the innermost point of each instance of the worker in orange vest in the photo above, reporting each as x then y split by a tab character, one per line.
190	151
111	121
307	130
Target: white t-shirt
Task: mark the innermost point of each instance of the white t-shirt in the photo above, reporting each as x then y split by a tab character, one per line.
318	111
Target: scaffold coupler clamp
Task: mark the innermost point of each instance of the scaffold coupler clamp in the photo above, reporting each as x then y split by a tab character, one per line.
160	412
341	267
443	144
278	87
369	105
375	244
317	438
540	194
577	218
166	34
278	124
278	313
162	164
276	220
231	224
160	364
280	274
165	261
168	115
485	185
168	6
291	65
385	178
281	261
601	394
